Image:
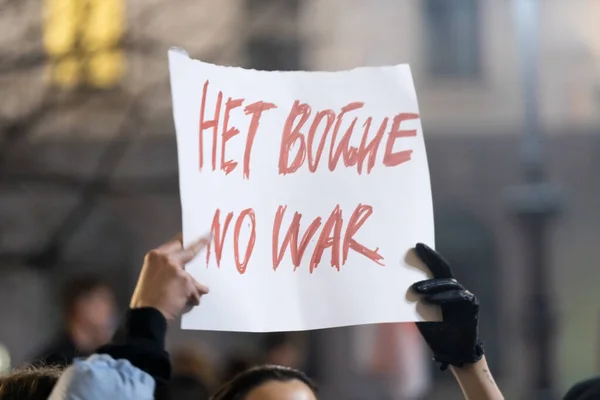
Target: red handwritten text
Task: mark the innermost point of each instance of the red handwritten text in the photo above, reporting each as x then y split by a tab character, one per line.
329	237
228	132
219	233
327	121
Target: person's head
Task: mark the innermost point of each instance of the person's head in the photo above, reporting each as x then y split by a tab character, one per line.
89	310
31	383
586	390
268	382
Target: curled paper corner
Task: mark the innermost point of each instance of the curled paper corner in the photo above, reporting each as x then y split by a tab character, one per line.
179	50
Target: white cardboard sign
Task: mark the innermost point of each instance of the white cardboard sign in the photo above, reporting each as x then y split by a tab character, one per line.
314	186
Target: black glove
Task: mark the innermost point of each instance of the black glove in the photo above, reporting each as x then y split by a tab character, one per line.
455	341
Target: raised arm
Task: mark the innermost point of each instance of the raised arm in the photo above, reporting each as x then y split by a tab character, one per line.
455	341
164	292
476	381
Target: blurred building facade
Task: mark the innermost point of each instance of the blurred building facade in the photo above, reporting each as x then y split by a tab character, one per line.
81	170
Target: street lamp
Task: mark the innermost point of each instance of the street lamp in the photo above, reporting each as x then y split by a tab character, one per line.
535	203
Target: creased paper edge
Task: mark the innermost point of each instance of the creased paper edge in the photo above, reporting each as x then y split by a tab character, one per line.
182	52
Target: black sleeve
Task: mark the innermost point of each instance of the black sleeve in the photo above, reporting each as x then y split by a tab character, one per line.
143	344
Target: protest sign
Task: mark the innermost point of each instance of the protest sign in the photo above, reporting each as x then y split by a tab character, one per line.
314	185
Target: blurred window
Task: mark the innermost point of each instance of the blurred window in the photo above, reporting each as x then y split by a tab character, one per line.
83	41
453	38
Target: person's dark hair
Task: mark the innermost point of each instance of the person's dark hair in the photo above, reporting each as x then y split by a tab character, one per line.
242	384
33	383
586	390
78	288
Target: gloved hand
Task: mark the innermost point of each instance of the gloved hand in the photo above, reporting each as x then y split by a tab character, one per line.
454	341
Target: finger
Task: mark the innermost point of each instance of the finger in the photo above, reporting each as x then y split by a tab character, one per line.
452	297
192	292
191	303
200	244
171	246
438	266
432	286
195	298
202	289
186	255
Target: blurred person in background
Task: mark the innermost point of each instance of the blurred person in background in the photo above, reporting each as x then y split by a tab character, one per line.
89	315
140	364
193	376
237	364
279	348
136	365
283	348
395	357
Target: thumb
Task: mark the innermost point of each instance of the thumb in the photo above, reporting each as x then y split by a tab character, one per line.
438	266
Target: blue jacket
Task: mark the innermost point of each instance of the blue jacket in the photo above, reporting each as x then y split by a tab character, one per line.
101	377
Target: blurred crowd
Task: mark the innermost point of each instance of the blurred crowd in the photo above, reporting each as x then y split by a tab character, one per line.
96	357
90	319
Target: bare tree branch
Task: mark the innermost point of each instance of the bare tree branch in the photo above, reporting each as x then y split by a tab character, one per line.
26	61
90	191
105	185
18	129
102	182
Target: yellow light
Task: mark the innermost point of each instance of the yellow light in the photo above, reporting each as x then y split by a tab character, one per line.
66	71
101	38
82	38
62	19
106	68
